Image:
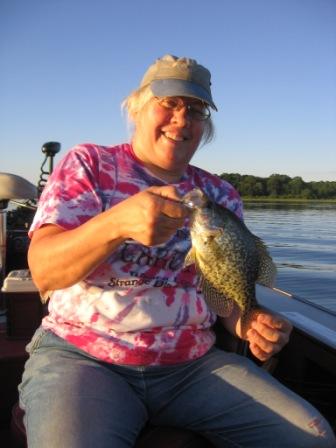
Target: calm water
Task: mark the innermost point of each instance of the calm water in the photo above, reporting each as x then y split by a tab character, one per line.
302	242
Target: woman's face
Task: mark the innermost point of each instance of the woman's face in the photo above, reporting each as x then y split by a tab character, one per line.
166	139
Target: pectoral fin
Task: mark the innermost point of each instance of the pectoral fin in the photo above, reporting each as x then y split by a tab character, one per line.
190	258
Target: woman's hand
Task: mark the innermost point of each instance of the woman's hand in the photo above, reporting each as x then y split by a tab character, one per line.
152	216
267	334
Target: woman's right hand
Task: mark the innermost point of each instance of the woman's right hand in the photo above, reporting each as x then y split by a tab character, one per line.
152	216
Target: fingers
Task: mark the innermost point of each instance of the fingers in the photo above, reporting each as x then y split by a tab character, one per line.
267	335
271	325
258	352
166	192
271	334
262	348
168	202
274	321
162	229
153	215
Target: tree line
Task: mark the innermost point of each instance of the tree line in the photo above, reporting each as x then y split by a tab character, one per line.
280	186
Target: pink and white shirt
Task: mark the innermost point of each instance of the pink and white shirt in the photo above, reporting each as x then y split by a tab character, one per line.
141	306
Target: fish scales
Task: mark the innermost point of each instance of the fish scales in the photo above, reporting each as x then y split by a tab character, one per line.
228	257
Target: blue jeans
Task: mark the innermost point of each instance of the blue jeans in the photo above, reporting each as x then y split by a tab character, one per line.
71	400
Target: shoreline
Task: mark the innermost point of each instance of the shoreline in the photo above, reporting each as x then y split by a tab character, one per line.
287	200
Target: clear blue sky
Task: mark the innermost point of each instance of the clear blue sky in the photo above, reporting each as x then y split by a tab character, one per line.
66	65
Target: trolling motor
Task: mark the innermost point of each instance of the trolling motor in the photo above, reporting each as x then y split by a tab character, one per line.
50	149
14	188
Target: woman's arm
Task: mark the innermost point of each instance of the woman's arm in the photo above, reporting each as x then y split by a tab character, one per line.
59	258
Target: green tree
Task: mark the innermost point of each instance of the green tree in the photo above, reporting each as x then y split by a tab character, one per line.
295	186
250	186
277	185
280	185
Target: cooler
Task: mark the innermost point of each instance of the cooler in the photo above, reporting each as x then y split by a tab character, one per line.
23	303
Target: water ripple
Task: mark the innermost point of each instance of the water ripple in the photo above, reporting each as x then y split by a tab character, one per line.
302	241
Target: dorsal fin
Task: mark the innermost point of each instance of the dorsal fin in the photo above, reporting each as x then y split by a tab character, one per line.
267	269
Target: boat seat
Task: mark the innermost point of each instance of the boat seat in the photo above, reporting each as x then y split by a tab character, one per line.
151	437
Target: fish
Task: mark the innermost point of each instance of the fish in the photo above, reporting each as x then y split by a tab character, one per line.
228	257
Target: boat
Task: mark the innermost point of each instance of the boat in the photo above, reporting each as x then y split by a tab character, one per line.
307	364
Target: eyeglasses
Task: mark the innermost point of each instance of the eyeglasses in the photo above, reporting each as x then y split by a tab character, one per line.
197	110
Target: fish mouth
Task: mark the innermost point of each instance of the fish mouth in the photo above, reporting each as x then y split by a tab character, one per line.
195	199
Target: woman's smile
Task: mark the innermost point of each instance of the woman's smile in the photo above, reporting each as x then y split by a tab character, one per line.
174	136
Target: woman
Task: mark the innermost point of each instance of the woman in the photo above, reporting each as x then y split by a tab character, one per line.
128	337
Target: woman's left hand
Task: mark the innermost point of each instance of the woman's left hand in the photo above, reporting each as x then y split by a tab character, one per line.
267	334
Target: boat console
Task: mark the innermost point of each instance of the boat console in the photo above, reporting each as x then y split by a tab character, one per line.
11	187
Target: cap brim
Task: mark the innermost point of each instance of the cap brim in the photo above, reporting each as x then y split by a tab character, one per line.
180	87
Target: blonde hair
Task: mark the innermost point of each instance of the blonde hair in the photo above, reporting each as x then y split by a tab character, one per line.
137	99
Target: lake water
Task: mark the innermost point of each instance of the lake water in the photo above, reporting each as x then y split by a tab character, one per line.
302	241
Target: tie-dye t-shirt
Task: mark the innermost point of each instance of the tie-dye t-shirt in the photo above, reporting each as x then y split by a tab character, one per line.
141	306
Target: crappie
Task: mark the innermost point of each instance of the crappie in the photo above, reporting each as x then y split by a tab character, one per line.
228	257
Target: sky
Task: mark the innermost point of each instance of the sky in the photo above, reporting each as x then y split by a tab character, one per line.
66	66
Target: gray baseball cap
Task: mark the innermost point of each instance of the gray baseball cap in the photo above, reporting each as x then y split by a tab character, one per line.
173	76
